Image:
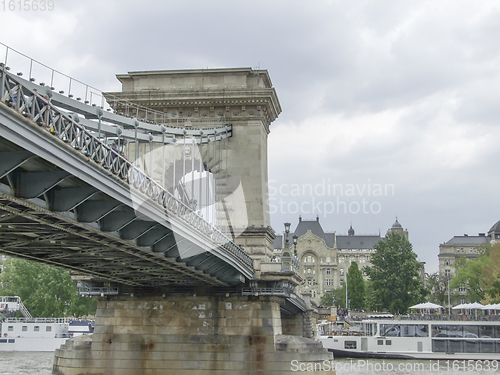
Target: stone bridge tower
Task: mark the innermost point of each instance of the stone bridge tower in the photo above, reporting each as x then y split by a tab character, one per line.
242	97
207	331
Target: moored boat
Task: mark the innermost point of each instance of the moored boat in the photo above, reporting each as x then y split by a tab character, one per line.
35	334
462	339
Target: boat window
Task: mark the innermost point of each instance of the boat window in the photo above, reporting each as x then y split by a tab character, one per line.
455	346
350	344
439	346
388	342
487	347
497	346
48	328
471	331
392	330
36	328
471	346
10	328
3	341
404	330
369	329
486	332
439	330
380	342
414	330
25	328
496	331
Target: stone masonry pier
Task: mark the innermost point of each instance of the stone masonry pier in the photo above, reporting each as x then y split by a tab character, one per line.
188	335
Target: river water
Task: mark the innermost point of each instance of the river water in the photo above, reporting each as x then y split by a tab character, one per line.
32	363
40	363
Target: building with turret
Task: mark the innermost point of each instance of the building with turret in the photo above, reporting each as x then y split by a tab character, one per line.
325	257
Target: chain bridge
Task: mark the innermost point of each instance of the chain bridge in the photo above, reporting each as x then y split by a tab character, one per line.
156	199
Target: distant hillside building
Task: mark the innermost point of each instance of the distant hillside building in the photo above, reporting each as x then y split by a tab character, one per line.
326	257
464	246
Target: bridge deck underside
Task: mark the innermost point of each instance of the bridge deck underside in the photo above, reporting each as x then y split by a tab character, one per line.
28	231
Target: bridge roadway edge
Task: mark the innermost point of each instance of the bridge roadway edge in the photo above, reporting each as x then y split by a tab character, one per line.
188	334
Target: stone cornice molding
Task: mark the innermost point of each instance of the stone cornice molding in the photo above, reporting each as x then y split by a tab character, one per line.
239	94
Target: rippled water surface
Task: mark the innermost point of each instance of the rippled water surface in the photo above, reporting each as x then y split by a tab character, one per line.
32	363
40	363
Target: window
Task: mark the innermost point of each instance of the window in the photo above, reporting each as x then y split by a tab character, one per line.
341	258
341	272
350	344
48	328
328	271
10	329
447	272
37	328
25	328
310	259
341	282
447	262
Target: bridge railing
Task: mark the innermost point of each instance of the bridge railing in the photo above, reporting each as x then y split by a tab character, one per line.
80	91
65	126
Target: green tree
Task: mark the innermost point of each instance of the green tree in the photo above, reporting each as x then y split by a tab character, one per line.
355	287
46	291
371	303
336	297
437	287
395	274
469	275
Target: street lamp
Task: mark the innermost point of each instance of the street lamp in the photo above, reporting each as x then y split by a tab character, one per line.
295	244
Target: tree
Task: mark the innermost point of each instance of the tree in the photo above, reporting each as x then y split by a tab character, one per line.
336	297
355	287
437	287
480	276
46	291
469	276
395	274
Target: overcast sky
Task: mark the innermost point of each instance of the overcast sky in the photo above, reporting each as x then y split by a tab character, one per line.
390	108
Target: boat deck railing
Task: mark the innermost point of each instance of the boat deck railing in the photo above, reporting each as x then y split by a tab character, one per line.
450	317
38	320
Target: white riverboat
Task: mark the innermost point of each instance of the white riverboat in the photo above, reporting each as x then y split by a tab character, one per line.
30	334
460	339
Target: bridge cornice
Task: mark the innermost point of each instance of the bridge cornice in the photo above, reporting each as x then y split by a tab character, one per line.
240	93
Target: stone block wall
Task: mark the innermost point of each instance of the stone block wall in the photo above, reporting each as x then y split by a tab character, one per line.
186	335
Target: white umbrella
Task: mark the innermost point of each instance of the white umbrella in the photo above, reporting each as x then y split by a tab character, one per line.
426	305
475	306
461	306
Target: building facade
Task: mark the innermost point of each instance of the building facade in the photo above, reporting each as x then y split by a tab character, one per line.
464	246
325	257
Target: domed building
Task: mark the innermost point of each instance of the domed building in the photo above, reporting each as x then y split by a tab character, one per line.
494	233
325	257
